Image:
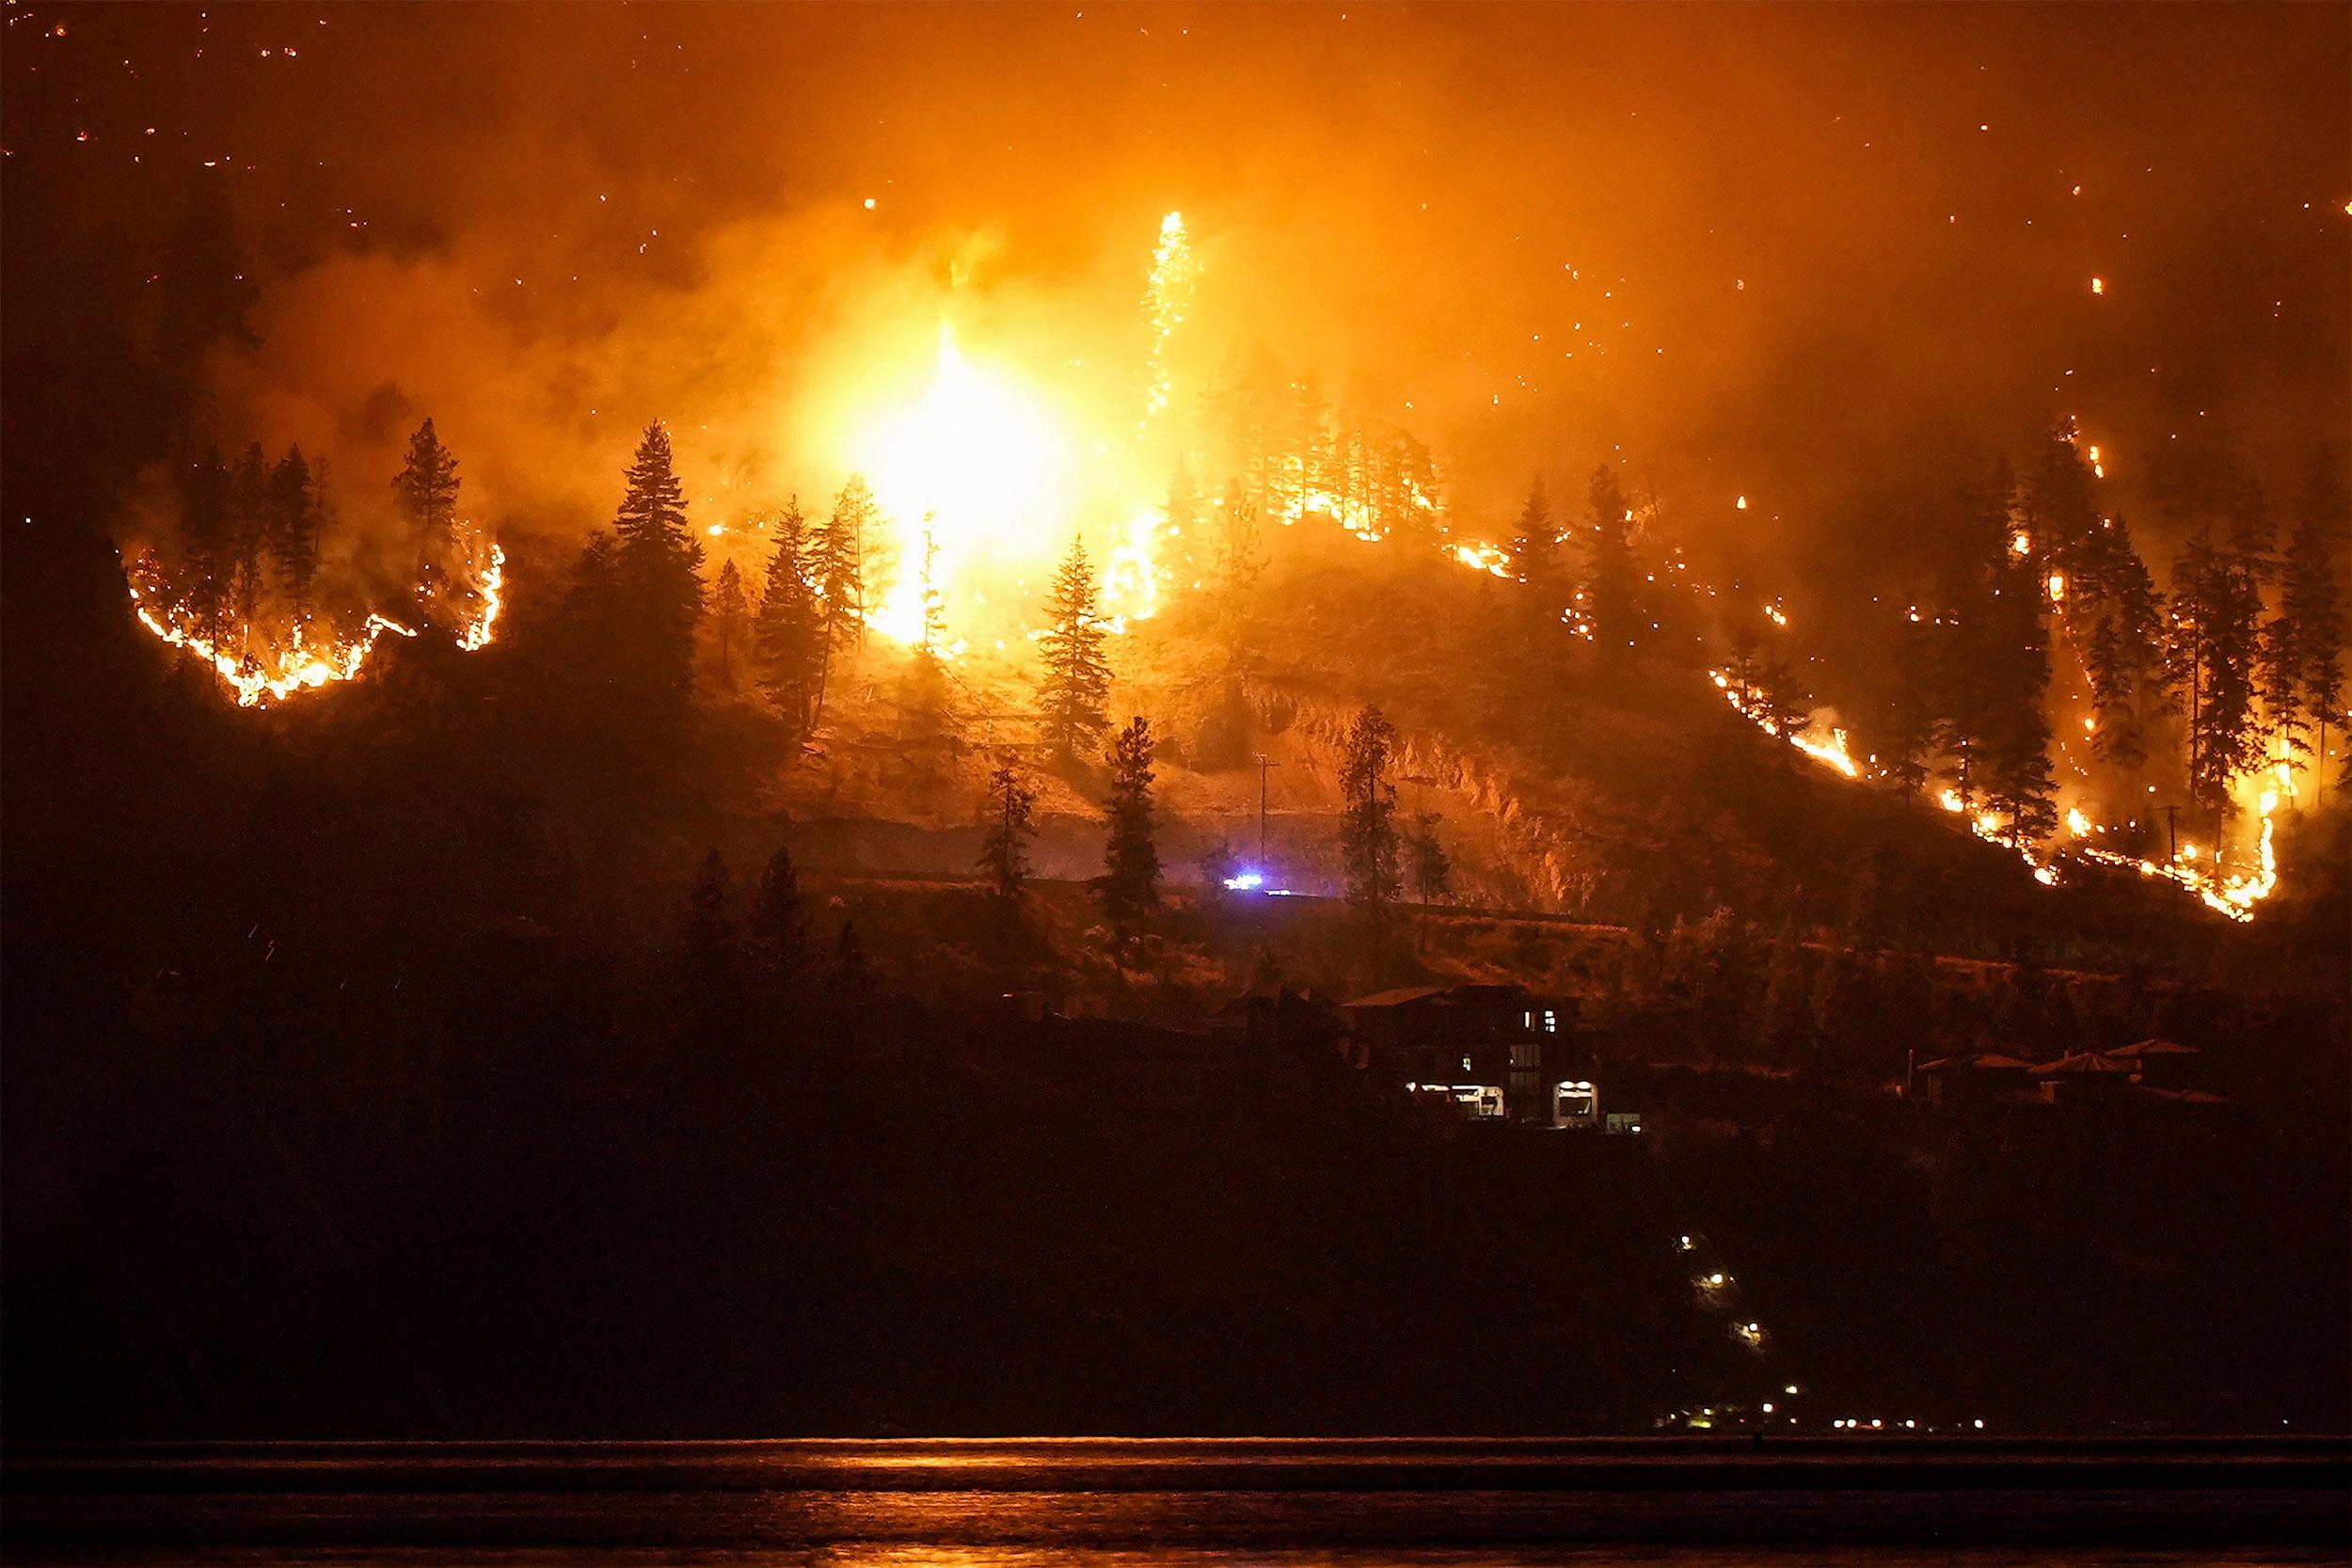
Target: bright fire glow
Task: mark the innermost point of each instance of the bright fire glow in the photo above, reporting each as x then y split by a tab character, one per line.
977	452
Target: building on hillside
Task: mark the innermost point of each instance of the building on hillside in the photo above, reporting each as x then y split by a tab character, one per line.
1493	1053
1982	1078
2084	1078
2162	1064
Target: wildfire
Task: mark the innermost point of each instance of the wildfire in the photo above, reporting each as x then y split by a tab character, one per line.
266	674
1825	745
1165	301
261	666
1483	558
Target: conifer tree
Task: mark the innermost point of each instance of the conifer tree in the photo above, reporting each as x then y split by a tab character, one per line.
779	937
1432	868
1907	738
730	612
1186	551
1368	839
1535	556
1982	559
2016	742
250	526
2125	656
1239	559
926	697
790	651
843	562
207	532
1130	884
1004	861
659	566
427	486
2211	652
709	940
293	531
2306	640
1611	593
1077	678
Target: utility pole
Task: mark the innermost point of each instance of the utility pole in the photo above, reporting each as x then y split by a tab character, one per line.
1263	766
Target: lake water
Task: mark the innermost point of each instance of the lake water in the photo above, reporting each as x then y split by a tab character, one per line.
1335	1504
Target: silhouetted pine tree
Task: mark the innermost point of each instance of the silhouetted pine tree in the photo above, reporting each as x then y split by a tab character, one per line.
1130	884
250	526
427	486
2211	650
207	532
778	936
1077	678
844	563
294	530
2125	655
926	700
1907	733
2016	743
2307	642
1431	868
1368	841
1969	696
730	610
1239	559
1004	861
709	942
790	651
1545	591
659	567
1611	591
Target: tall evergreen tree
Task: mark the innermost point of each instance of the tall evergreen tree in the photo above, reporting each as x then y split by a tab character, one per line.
1130	884
427	486
779	937
1077	678
208	533
1611	591
1980	560
791	650
730	614
1536	556
1187	549
1431	868
1004	861
2017	780
2305	684
926	697
1239	559
709	942
294	534
659	565
1368	839
1907	732
2126	658
2212	627
845	563
249	526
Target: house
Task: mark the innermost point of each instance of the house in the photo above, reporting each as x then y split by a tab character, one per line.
2085	1077
1491	1054
1983	1078
2161	1064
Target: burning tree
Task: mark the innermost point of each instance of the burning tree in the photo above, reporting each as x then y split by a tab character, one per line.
1077	678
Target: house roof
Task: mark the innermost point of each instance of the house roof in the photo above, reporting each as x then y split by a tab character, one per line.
1399	997
1983	1061
2156	1048
2083	1064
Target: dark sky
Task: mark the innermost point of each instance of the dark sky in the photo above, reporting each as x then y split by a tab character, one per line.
1770	251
